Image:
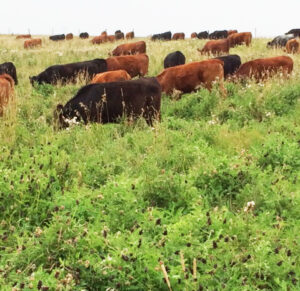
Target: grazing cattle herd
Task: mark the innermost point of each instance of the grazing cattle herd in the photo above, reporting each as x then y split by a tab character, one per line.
110	94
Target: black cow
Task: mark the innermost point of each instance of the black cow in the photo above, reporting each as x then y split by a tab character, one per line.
57	37
162	36
174	59
295	32
280	41
108	102
119	35
84	35
118	31
10	69
203	35
70	72
218	34
231	64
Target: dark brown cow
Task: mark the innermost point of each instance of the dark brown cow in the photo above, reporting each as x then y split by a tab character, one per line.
23	36
216	47
292	46
132	48
99	39
6	91
231	31
261	69
194	35
31	43
187	78
111	76
130	35
178	35
69	36
240	38
136	65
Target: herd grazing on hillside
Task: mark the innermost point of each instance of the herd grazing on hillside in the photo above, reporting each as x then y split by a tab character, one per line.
111	77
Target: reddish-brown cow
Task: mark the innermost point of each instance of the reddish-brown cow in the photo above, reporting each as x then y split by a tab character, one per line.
130	35
261	69
194	35
6	91
187	78
111	38
69	36
230	32
111	76
136	65
178	35
216	47
31	43
23	36
132	48
240	38
292	46
99	39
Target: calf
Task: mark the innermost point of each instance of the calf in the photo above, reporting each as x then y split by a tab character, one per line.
111	76
109	102
194	35
6	91
70	72
136	65
174	59
69	36
260	69
130	49
187	78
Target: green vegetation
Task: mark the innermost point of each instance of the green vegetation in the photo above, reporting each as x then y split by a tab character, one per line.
101	207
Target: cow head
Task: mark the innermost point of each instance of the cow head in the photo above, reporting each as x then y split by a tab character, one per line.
58	117
33	79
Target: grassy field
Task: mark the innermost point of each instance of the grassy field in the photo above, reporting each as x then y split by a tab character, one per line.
107	207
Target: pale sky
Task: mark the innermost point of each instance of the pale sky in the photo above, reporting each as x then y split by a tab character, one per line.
264	18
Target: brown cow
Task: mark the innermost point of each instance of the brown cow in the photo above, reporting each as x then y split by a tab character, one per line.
132	48
231	31
240	38
216	47
6	91
111	76
136	65
23	36
111	38
292	46
130	35
261	69
187	78
69	36
31	43
104	33
99	39
194	35
178	35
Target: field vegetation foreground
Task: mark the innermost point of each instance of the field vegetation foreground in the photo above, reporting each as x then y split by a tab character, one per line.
108	207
